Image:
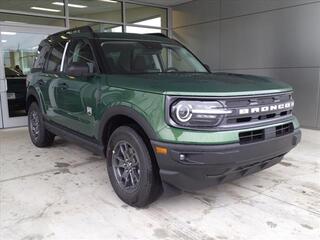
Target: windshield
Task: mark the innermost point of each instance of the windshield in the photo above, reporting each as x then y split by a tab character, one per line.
125	57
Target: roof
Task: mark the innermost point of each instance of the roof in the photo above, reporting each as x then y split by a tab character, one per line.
87	32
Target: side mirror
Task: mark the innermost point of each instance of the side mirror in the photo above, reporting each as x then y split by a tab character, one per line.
78	69
207	67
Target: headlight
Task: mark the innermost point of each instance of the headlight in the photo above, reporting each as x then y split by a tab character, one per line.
198	113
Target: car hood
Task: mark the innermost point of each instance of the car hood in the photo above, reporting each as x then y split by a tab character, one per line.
199	84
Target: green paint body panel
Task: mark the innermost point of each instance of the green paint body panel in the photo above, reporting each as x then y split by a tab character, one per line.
145	94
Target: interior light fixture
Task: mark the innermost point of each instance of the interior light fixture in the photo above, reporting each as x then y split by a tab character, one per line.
8	33
70	5
4	40
109	1
45	9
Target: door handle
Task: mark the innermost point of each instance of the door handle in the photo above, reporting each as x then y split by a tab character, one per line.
41	82
63	86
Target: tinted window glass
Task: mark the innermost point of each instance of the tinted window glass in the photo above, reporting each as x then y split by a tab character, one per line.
43	52
149	57
55	57
79	51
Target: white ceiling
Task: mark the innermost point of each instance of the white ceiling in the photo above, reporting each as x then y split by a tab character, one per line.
164	2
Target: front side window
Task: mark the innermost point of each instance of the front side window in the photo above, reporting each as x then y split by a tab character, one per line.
79	52
125	57
55	58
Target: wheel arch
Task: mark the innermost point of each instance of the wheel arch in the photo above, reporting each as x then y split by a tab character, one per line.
32	96
122	115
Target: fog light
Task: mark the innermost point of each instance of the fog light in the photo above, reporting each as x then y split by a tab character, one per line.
182	157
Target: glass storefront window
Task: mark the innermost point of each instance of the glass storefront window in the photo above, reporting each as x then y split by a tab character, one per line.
106	10
142	30
19	52
34	6
32	19
97	27
145	15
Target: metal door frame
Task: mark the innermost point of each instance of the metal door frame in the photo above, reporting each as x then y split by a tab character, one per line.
5	120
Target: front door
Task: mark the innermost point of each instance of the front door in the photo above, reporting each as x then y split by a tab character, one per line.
18	49
76	96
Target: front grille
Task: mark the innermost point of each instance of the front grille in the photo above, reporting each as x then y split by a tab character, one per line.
284	129
256	110
262	134
251	136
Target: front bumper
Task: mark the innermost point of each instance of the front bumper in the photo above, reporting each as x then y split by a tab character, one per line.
207	165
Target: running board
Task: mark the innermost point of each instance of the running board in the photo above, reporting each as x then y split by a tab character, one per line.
72	136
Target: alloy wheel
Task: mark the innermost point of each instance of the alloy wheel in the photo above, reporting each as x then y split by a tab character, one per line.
126	166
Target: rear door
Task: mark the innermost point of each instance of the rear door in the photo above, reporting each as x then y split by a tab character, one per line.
49	78
77	97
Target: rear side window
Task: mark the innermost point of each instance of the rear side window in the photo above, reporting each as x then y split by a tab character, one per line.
40	60
55	57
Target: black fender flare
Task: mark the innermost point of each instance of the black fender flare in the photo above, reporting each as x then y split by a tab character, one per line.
127	112
32	92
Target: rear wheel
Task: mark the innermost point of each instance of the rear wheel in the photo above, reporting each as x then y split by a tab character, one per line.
132	171
39	135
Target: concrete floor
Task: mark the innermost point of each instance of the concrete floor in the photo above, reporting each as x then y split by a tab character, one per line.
63	192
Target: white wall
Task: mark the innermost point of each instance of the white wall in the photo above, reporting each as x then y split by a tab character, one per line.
277	38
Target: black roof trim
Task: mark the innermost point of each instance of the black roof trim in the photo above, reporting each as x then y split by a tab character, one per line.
66	34
158	35
83	29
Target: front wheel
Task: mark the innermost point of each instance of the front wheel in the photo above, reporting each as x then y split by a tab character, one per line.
132	171
39	135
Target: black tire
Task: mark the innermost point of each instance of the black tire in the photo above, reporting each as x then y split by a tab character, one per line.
149	186
39	135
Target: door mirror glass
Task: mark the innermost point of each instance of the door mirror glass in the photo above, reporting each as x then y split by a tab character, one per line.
78	69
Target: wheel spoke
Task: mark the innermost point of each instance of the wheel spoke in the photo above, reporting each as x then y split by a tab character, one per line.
134	174
131	178
126	165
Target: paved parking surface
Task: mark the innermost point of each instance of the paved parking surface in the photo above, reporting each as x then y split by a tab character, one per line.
63	192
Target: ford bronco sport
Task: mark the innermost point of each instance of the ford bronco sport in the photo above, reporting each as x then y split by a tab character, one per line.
156	112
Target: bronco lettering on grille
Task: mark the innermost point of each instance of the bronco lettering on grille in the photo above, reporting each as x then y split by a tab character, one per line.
275	107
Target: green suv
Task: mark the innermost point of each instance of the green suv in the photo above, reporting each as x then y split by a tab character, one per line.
156	113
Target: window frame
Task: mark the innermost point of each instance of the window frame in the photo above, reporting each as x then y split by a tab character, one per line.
45	68
67	47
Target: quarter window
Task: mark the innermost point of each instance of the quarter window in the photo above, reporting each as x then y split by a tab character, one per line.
42	55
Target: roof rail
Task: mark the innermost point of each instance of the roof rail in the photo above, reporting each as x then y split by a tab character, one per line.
158	35
83	29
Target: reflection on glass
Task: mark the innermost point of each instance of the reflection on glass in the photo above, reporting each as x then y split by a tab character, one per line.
19	53
147	57
34	6
32	19
142	30
146	15
97	27
96	9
